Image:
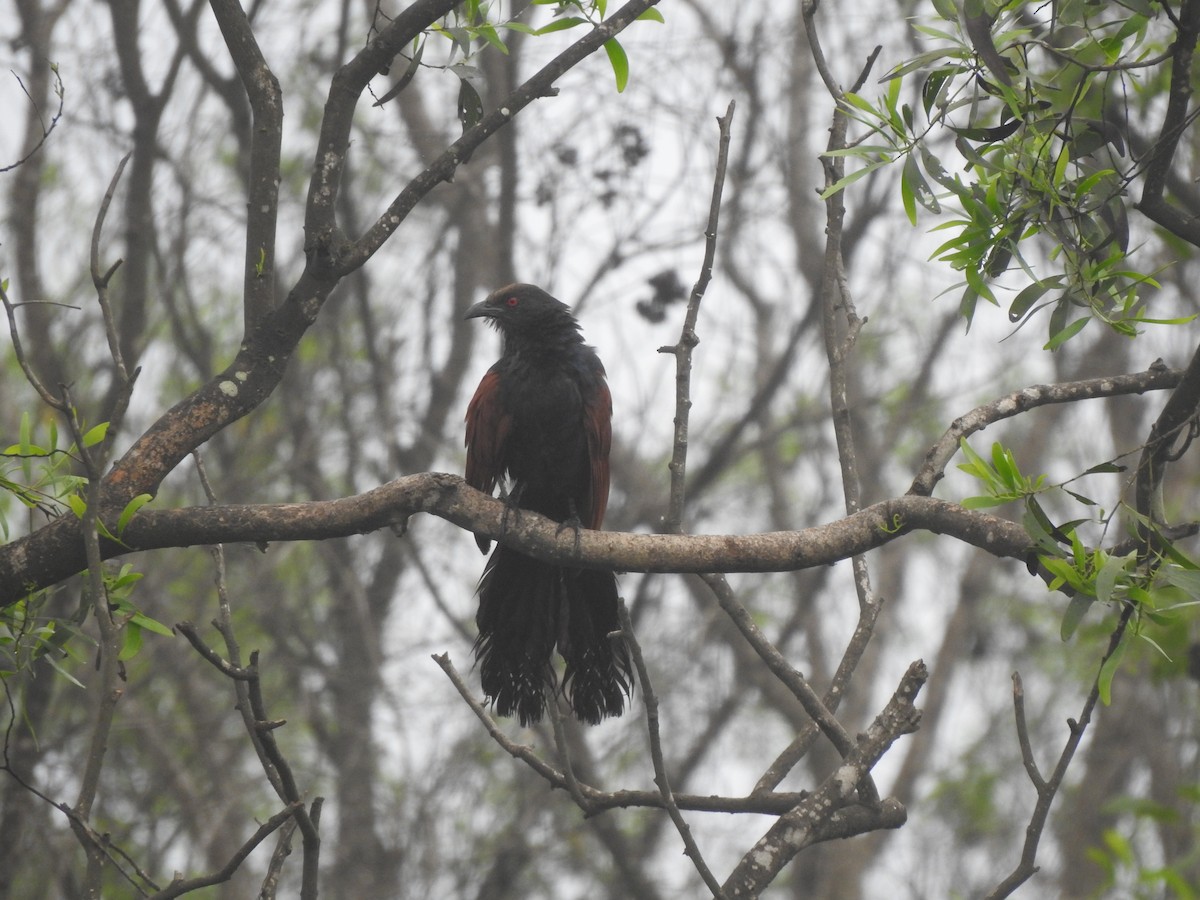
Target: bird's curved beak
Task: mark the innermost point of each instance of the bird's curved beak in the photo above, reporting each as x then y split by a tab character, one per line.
481	311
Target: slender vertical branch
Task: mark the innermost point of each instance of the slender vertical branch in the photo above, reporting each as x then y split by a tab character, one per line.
688	340
839	318
266	139
650	701
841	326
1047	788
22	360
100	280
107	688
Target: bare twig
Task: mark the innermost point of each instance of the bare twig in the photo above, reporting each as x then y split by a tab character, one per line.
100	280
181	886
513	749
59	92
22	360
1031	766
822	717
682	351
1047	788
564	756
841	325
250	703
650	701
108	689
853	818
283	849
796	830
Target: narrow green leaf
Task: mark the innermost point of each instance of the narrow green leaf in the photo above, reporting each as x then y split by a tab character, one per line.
619	62
851	178
1186	581
1182	320
130	509
946	9
982	502
651	15
1066	573
95	435
1025	300
975	464
914	188
144	621
1038	526
861	151
864	104
490	35
1005	465
907	196
1140	596
133	642
126	578
1067	333
1086	501
1074	614
1106	578
560	25
1060	167
922	61
1105	468
57	666
1155	644
102	530
1119	845
1108	670
77	504
1177	556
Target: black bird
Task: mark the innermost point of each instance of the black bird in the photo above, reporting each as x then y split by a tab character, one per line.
541	418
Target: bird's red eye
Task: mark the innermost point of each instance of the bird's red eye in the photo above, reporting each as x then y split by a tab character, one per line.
511	302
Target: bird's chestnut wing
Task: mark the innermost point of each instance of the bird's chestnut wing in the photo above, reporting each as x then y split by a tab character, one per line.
488	425
597	422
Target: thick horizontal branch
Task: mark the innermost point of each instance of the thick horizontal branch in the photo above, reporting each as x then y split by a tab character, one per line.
449	497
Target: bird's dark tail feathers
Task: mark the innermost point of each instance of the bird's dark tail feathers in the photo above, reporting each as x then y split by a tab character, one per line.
598	676
525	608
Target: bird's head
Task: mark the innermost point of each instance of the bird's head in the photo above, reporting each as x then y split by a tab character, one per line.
524	309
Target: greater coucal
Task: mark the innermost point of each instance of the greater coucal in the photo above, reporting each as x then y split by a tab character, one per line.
540	418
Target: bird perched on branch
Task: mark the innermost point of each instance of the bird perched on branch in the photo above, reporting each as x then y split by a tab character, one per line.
540	418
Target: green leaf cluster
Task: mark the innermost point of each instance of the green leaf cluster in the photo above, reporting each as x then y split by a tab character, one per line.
1164	587
476	24
36	471
1000	476
1023	94
38	474
28	634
